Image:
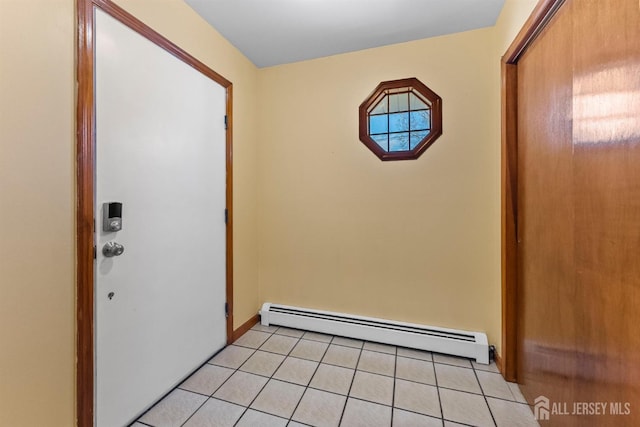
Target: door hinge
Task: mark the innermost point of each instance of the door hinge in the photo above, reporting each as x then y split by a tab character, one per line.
226	122
226	216
95	253
226	309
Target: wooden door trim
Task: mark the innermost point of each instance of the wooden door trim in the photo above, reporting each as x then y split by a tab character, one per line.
85	172
535	24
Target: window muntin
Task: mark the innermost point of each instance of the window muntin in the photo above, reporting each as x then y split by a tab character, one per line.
400	119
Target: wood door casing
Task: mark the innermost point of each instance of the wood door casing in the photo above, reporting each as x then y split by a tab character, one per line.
544	208
85	124
578	211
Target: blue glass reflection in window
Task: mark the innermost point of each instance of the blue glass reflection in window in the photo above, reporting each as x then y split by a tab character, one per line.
399	122
378	124
416	137
382	141
399	141
420	120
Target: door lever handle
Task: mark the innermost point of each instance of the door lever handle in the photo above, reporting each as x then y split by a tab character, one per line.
111	249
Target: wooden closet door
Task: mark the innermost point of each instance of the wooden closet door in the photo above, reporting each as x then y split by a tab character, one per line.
606	143
578	221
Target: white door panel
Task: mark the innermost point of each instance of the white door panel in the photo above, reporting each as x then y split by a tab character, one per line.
160	150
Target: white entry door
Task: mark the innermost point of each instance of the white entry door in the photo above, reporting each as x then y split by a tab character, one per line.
161	152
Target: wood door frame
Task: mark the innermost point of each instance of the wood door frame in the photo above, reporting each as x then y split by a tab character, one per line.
535	24
85	173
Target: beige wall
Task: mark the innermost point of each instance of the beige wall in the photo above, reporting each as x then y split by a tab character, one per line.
37	291
340	230
513	15
37	194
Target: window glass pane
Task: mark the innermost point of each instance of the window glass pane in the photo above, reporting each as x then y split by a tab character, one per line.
416	137
399	102
382	141
420	120
381	107
399	141
399	122
378	124
417	103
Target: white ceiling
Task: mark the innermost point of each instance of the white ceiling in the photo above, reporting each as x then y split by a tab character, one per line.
272	32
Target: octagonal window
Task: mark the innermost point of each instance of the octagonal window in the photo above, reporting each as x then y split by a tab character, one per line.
400	119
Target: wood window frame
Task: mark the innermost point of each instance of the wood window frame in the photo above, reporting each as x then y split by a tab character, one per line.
372	100
85	172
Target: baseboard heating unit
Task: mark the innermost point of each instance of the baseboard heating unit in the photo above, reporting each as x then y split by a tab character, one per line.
473	345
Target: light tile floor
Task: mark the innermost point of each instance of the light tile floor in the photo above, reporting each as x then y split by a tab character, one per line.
285	377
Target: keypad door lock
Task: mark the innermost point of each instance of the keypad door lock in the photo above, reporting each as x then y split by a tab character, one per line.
112	216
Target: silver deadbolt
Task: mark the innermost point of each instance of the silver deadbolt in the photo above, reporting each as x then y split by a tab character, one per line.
111	249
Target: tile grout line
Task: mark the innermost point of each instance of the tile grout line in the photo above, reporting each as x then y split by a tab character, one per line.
310	379
393	392
401	409
235	370
177	387
435	376
255	350
317	340
310	359
485	397
513	400
192	414
355	371
198	408
253	409
262	412
270	378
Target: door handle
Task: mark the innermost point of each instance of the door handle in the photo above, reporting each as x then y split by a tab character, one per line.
111	249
